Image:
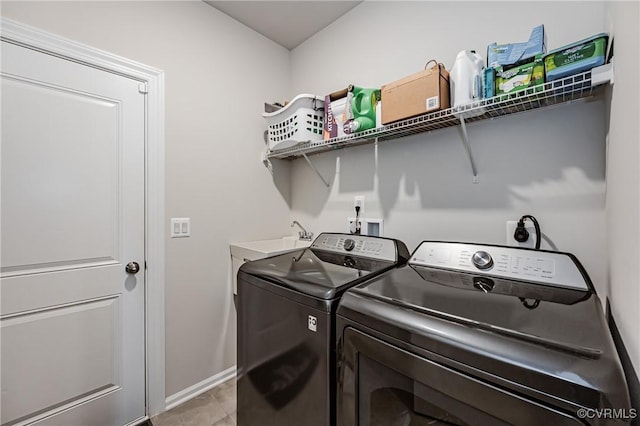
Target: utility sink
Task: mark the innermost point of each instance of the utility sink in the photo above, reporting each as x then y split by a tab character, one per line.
254	250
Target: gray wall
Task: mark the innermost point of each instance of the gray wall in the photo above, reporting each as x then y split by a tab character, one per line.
549	163
623	177
217	74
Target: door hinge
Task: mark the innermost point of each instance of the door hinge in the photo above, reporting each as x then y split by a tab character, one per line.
142	88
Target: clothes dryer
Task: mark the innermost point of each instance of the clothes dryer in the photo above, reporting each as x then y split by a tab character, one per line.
470	334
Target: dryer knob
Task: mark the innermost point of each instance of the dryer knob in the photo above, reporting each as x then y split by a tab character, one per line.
482	260
483	284
349	244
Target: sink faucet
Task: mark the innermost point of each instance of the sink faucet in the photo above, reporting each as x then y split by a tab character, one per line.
304	235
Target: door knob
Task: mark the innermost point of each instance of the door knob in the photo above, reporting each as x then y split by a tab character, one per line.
132	268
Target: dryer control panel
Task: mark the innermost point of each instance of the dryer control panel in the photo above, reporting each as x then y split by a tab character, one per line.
549	268
357	245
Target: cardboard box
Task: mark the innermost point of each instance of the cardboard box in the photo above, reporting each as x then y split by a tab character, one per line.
520	77
349	111
335	114
420	93
517	53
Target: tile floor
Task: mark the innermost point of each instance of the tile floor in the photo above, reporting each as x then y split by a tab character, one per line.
216	407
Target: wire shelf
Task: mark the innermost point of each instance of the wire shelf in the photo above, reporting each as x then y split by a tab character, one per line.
569	89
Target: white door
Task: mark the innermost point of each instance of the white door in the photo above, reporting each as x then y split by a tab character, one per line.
72	206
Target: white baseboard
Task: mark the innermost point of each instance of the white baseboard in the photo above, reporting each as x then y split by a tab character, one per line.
200	387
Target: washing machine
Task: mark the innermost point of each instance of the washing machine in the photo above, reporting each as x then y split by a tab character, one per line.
471	334
286	326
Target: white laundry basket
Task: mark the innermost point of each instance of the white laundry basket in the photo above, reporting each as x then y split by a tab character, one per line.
300	121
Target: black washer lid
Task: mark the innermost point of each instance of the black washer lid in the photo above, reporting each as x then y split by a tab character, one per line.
326	269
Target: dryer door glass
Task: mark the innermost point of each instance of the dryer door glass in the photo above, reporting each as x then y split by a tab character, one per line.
381	384
388	398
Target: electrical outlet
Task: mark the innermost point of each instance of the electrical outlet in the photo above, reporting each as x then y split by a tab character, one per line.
351	226
359	201
180	227
511	228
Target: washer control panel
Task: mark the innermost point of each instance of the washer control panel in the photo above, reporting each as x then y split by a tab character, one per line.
357	245
556	269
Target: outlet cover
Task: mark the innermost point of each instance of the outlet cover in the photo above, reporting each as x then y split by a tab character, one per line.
511	228
374	227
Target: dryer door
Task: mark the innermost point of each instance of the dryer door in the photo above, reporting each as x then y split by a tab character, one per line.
380	384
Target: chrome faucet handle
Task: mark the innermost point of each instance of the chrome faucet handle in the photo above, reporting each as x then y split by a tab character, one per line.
303	235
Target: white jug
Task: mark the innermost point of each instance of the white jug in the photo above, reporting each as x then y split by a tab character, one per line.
466	78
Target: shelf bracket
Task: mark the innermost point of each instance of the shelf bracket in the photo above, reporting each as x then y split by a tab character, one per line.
315	170
465	142
265	160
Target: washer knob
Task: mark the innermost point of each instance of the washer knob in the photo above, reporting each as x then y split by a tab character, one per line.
482	260
349	244
349	262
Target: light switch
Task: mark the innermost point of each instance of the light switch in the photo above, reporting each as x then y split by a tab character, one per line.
180	227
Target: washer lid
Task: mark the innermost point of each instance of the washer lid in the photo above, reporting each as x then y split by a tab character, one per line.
315	272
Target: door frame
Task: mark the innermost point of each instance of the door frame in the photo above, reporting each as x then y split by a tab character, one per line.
152	81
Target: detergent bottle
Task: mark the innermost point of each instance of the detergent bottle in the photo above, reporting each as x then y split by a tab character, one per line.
363	109
466	78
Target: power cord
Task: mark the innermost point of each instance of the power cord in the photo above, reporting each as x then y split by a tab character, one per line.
358	229
521	234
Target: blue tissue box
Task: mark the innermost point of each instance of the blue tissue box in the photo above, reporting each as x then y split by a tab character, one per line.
516	53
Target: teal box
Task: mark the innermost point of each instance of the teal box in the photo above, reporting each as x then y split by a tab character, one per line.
488	83
517	53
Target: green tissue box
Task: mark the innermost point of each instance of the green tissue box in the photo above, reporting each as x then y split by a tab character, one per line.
520	77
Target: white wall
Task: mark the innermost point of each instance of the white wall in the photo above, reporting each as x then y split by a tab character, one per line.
549	163
623	177
217	75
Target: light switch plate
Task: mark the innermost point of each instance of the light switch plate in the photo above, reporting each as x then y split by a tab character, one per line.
180	227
